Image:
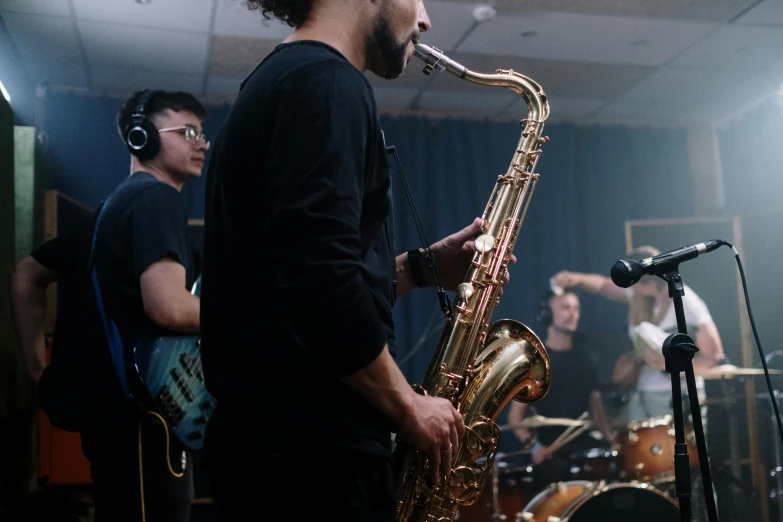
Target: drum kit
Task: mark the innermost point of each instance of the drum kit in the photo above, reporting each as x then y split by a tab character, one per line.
634	480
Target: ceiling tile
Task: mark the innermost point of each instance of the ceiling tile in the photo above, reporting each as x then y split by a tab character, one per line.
58	73
223	85
122	81
47	7
463	102
684	86
767	12
450	21
585	38
741	48
696	10
140	48
42	38
185	15
563	78
233	18
238	56
564	108
627	111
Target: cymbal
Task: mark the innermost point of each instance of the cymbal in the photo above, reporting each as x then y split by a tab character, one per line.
538	421
727	371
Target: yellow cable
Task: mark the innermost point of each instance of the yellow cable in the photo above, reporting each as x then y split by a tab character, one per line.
168	462
168	458
141	477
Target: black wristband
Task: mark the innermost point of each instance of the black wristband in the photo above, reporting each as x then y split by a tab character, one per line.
415	266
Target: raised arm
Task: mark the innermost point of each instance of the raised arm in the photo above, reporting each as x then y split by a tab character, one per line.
591	283
28	283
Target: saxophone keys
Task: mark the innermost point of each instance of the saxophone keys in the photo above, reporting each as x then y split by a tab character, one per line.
465	291
485	243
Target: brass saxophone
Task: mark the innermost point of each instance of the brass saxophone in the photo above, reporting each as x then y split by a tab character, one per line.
478	367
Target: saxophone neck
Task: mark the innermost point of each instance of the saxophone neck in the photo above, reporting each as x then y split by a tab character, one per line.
538	106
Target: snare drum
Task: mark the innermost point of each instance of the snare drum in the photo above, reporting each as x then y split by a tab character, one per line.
583	501
647	448
595	464
513	492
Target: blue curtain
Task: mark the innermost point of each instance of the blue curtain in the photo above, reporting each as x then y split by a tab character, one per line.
593	178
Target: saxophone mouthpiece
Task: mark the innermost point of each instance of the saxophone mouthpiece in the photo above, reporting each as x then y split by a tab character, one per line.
434	58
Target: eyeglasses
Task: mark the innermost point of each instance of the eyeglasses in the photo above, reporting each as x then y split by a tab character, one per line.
189	131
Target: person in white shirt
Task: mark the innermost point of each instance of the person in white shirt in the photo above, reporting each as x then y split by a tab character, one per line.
651	319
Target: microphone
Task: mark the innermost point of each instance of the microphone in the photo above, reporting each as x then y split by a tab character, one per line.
627	272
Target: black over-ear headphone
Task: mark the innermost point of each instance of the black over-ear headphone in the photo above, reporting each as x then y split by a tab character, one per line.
140	135
545	310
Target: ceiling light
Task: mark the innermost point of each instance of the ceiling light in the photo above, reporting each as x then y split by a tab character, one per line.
143	1
482	13
5	93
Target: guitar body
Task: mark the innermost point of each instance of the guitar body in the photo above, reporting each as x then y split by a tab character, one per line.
169	369
170	373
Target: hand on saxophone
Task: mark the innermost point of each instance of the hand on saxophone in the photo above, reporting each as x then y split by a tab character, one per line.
434	426
454	253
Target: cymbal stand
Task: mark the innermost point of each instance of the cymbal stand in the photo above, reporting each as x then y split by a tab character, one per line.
777	471
497	515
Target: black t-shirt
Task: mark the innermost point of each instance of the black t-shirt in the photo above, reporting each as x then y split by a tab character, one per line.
298	255
143	222
574	378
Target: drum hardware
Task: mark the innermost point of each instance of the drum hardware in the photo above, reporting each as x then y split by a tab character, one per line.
729	371
538	421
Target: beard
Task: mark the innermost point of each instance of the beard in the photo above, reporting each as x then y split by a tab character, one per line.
388	55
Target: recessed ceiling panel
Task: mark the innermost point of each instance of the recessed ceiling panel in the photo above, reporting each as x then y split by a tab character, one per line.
185	15
233	18
586	38
737	47
238	56
767	12
121	81
42	38
563	78
693	10
47	7
141	48
685	86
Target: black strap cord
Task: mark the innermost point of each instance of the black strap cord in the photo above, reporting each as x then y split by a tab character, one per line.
445	303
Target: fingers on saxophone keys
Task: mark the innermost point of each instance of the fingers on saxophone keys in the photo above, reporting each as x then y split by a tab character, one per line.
435	457
445	460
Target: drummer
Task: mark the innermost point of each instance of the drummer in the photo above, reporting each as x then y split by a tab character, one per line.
651	319
574	391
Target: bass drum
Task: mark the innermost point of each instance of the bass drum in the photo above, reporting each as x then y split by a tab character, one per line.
583	501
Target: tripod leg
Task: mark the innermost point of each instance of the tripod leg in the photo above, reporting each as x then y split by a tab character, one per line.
701	444
682	471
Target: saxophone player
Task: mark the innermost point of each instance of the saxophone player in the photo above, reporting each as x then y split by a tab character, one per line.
298	193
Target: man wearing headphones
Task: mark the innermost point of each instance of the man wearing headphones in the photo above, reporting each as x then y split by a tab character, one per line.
574	390
144	267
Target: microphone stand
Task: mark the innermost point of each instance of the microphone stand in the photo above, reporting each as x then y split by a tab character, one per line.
678	351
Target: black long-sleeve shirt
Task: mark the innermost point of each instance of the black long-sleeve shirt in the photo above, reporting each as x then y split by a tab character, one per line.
298	253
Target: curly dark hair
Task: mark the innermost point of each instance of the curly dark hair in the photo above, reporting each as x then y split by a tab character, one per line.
159	102
291	12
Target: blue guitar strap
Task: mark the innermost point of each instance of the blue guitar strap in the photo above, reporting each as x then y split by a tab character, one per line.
110	328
